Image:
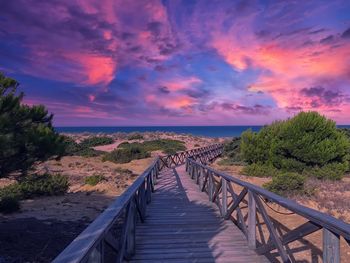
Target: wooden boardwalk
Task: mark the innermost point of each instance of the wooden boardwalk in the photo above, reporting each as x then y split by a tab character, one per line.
183	226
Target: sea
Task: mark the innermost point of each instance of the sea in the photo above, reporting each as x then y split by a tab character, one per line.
208	131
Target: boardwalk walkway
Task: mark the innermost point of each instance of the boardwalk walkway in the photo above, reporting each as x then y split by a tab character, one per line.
183	226
180	224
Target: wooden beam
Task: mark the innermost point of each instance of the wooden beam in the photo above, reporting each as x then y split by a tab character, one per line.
273	234
251	221
331	247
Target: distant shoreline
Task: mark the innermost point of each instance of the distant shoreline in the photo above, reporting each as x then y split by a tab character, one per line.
208	131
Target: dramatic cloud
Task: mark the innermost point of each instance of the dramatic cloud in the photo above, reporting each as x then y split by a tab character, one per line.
111	62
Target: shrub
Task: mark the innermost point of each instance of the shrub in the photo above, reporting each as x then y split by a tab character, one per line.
125	155
232	151
259	170
26	132
166	145
304	142
73	148
96	141
332	171
43	185
286	184
94	179
31	186
135	136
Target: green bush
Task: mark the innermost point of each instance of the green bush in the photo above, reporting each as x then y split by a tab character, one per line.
94	179
166	145
259	170
31	186
73	148
96	141
43	185
125	155
305	142
332	171
286	184
135	136
232	152
26	132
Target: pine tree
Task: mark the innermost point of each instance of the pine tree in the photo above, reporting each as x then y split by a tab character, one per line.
26	132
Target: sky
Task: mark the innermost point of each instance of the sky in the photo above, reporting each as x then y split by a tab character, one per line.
120	63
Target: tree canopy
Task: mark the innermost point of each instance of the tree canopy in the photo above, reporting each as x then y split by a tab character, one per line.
26	132
308	143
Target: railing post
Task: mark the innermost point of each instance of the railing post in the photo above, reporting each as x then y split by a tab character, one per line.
331	247
142	199
210	186
97	254
251	221
148	189
201	179
224	197
130	232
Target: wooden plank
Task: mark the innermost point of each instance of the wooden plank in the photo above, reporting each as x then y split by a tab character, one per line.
224	198
251	221
272	230
187	226
331	247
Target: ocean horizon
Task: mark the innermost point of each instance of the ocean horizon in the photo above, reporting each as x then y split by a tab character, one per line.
208	131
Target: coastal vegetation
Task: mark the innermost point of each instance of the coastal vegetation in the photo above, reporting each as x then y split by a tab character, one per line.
73	148
96	141
290	151
135	136
126	155
167	146
31	186
94	179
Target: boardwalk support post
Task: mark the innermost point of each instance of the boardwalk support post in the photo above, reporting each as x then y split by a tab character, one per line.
251	221
224	198
210	186
331	247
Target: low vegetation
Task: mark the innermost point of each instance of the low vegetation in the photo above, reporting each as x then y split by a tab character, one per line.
287	183
79	149
29	187
232	153
96	141
167	146
94	179
125	155
135	136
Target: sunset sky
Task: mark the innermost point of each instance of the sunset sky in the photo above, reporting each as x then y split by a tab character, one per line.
117	63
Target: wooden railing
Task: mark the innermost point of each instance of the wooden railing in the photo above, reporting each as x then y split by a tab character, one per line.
220	189
111	237
203	154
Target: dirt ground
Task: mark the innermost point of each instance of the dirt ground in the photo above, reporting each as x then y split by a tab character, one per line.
44	226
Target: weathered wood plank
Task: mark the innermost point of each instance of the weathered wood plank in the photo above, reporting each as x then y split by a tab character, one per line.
331	247
188	227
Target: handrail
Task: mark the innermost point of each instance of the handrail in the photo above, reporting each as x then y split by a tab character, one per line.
130	206
221	190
